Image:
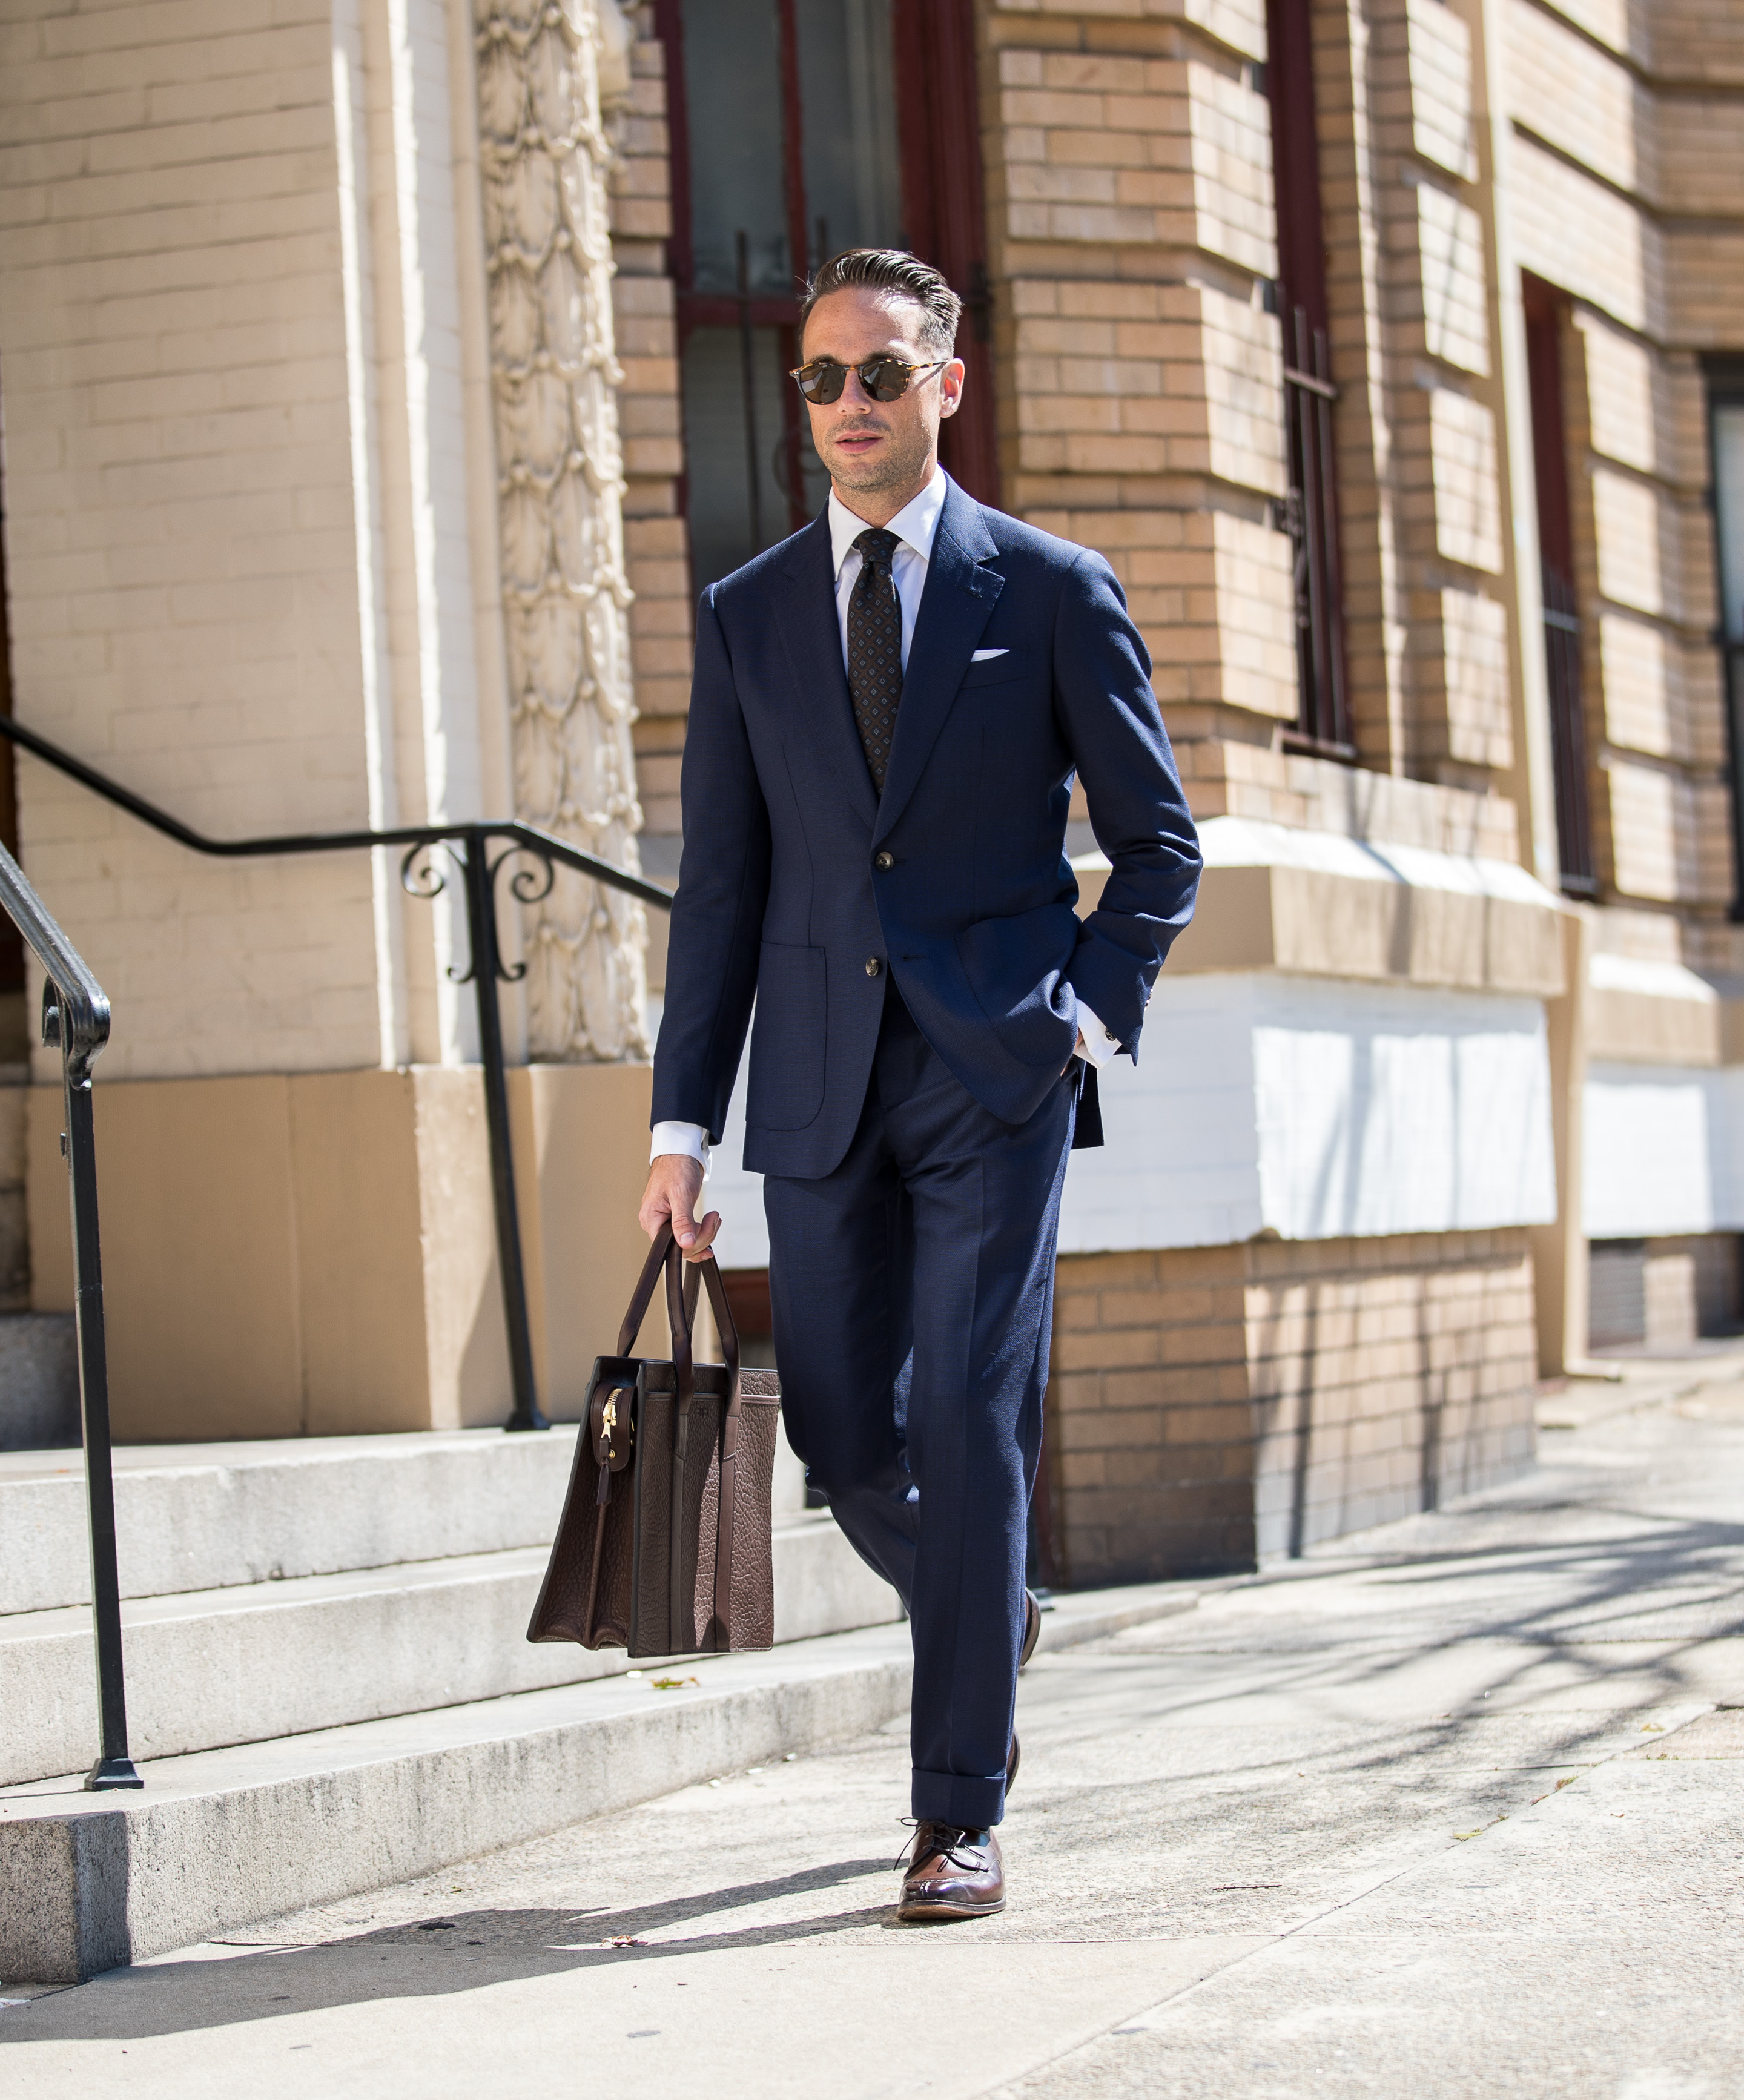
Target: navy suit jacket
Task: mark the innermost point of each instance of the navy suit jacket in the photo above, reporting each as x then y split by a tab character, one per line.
783	895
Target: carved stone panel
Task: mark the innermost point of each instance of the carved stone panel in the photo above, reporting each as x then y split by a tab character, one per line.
555	373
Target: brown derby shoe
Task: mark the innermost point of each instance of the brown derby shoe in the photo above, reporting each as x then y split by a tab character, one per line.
1032	1627
949	1879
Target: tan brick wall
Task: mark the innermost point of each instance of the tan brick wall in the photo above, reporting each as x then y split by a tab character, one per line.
1637	211
181	555
1209	1404
1131	234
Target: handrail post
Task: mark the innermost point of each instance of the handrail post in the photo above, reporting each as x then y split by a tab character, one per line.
114	1767
481	924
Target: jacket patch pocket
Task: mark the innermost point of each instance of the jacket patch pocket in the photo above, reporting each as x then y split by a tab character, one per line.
785	1090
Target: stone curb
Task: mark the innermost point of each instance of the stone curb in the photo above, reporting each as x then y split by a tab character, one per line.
222	1837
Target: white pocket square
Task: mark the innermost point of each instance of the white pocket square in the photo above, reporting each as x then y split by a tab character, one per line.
987	655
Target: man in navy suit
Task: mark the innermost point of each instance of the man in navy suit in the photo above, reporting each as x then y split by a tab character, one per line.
887	714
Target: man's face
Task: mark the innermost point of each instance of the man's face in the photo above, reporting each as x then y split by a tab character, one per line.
878	448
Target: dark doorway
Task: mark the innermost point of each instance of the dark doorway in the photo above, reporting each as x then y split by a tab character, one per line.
801	127
1546	312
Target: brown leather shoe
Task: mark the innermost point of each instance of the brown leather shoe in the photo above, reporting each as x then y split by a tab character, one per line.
948	1877
1032	1627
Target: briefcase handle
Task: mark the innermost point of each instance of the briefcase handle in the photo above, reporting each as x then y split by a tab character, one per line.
684	1280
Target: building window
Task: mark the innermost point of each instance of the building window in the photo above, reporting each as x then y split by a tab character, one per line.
1725	379
1546	312
1311	513
788	145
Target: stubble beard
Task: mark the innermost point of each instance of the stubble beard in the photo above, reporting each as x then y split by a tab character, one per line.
898	464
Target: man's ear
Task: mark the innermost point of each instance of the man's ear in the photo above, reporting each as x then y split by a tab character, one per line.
950	402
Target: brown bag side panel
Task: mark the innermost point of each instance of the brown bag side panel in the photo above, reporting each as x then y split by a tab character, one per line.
753	1576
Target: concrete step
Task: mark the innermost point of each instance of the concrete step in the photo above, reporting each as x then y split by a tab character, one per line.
249	1661
219	1839
208	1517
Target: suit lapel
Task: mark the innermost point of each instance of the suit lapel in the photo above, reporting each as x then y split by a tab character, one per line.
811	633
954	608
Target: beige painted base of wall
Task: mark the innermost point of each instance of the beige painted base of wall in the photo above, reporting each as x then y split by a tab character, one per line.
312	1255
1211	1406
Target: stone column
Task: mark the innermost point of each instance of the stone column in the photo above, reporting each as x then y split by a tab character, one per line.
544	156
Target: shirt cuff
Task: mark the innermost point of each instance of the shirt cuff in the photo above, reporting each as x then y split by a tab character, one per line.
689	1138
1095	1046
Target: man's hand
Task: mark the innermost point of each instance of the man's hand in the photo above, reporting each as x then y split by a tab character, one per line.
675	1181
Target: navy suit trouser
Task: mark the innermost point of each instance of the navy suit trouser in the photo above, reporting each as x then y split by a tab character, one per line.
913	1296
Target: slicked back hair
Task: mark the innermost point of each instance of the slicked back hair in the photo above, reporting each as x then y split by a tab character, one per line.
899	275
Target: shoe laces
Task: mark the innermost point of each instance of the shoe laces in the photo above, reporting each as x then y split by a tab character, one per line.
949	1838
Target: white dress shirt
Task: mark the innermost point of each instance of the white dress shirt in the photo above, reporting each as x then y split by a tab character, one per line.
915	525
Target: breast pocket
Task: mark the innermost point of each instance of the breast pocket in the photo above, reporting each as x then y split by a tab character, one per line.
785	1087
999	670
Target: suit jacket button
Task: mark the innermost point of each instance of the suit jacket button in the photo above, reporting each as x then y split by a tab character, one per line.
872	966
883	861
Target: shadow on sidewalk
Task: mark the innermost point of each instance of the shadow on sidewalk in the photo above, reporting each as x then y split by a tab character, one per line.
451	1951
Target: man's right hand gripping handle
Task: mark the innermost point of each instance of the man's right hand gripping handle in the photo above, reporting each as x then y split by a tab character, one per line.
675	1182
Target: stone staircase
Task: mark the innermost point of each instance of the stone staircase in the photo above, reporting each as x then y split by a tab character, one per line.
329	1689
275	1588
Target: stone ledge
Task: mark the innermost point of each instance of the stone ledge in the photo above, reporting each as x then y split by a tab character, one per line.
1314	904
1656	1013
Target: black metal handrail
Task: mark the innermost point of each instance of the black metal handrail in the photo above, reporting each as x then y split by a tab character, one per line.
470	845
76	1020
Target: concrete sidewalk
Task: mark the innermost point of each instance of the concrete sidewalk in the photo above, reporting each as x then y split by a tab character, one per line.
1453	1809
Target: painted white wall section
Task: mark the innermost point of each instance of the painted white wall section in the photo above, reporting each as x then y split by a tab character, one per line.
1306	1107
1663	1150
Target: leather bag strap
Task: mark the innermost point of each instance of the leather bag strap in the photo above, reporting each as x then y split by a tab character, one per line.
643	1296
727	1512
680	1304
684	1282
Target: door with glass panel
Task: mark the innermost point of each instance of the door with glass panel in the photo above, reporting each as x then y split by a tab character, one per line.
790	141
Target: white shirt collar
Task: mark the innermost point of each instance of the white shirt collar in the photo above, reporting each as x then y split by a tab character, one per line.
916	523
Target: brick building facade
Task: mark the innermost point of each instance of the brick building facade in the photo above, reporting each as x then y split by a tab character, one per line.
1391	351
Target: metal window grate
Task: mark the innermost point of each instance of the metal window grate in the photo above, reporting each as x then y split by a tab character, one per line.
1311	518
1567	733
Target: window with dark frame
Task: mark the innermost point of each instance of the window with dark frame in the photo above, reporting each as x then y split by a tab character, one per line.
799	128
1546	317
1725	409
1323	722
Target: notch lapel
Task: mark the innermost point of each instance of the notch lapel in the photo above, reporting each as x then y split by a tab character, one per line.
805	619
956	606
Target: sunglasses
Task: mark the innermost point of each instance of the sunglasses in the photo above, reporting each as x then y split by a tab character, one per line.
885	379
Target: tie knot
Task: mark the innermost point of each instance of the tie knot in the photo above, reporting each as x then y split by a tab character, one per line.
877	547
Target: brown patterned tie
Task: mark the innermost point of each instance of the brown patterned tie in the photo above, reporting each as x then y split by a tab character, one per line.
875	649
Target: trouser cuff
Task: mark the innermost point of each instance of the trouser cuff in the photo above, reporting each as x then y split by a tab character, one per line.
971	1804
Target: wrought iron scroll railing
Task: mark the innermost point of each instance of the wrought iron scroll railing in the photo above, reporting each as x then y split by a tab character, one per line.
76	1021
480	850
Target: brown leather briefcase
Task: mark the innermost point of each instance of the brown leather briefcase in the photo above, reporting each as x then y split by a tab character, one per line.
664	1544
